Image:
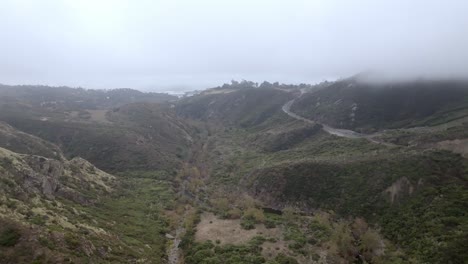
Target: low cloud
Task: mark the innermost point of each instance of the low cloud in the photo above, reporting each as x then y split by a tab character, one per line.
167	45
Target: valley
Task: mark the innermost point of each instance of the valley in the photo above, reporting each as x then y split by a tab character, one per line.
241	173
234	132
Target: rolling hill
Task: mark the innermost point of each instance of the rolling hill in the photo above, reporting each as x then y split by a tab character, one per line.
159	173
367	106
58	210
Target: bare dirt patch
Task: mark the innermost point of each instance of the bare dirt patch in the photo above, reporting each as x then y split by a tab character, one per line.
218	91
229	231
458	146
88	115
271	249
98	115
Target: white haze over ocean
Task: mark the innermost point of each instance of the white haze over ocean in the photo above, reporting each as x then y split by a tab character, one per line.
185	44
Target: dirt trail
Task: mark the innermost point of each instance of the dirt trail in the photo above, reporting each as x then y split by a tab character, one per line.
173	251
196	160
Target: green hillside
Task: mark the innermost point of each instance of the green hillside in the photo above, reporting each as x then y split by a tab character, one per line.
228	176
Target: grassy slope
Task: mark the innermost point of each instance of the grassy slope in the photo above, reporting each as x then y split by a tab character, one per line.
243	107
24	143
258	148
137	137
351	177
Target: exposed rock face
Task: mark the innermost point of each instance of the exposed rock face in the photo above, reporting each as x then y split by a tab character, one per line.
398	189
48	170
49	187
36	175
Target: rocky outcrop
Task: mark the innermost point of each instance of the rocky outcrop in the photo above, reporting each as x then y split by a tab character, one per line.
400	188
36	175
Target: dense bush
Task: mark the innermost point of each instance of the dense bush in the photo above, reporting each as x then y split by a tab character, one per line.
9	236
207	252
283	259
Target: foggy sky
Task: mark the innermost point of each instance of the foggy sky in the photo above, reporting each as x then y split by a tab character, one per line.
187	44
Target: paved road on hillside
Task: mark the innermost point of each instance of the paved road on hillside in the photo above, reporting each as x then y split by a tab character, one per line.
331	130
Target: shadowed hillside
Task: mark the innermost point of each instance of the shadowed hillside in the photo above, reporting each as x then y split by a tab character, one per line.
24	143
141	136
231	105
354	104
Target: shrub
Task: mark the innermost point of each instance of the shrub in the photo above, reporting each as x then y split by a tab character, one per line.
6	161
44	241
201	255
38	220
11	204
247	223
255	214
359	227
289	214
257	241
221	204
297	236
235	213
72	241
370	244
270	224
320	232
283	259
344	242
9	237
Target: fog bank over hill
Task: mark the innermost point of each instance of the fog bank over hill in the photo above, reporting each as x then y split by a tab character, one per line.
191	45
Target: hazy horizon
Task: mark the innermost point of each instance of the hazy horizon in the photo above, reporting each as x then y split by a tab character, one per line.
176	89
188	45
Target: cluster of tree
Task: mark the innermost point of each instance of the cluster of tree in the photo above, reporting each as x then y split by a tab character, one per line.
249	84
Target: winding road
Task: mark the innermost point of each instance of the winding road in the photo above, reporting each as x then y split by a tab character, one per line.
333	131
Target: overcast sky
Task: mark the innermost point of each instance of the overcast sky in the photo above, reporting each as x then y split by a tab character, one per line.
188	44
